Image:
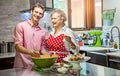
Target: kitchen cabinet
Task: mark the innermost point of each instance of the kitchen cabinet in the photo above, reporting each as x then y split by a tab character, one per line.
97	54
6	60
97	58
114	59
114	62
6	63
106	57
48	4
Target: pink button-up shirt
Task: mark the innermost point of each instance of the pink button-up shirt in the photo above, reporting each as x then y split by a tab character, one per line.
29	37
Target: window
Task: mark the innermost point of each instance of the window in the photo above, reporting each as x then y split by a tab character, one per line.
98	13
77	13
61	4
84	14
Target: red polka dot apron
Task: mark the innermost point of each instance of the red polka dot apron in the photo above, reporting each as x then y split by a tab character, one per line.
56	44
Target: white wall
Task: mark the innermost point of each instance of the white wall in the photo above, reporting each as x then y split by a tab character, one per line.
111	4
9	17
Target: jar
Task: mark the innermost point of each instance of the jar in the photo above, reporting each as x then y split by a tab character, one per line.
3	47
115	45
10	46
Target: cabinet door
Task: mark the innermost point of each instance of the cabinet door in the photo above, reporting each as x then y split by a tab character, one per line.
114	62
6	63
97	58
46	3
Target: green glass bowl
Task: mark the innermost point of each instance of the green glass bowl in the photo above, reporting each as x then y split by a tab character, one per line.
44	61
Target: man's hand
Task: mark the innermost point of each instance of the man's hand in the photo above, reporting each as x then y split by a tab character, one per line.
35	53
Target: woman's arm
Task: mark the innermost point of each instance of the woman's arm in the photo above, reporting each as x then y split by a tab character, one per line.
71	39
72	45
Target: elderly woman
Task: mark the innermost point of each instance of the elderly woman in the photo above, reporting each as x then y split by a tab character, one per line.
61	39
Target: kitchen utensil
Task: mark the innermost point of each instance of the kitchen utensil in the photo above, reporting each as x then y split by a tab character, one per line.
10	47
3	47
95	37
76	64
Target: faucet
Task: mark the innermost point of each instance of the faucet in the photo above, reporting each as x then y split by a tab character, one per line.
111	40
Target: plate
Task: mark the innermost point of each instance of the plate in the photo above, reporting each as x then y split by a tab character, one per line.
65	65
58	69
86	58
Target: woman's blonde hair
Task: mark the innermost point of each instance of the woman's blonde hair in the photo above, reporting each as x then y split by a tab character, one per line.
61	13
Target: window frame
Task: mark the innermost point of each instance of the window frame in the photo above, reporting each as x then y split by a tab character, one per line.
89	15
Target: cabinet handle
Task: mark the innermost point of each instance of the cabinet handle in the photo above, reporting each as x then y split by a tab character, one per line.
114	60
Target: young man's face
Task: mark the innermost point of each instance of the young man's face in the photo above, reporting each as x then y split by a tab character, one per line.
37	14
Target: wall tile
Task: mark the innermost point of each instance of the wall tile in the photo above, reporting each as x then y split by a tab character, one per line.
9	17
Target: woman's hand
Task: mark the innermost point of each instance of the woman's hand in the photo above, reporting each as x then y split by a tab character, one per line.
73	46
68	38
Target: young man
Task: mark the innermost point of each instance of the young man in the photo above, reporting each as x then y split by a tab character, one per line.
29	38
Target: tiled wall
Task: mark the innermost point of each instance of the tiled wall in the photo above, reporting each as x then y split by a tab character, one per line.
9	17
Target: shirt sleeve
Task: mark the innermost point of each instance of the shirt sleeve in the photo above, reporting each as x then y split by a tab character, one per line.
18	35
70	33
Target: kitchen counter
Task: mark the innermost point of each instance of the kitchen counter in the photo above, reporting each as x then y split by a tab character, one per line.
99	55
7	55
92	49
88	69
115	54
101	50
83	48
114	60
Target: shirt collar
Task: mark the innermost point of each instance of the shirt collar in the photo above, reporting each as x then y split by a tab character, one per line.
63	28
31	24
62	31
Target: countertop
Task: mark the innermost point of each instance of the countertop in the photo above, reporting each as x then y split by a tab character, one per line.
115	54
7	55
92	49
83	48
88	69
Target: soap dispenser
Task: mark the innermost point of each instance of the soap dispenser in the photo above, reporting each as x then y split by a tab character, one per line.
115	45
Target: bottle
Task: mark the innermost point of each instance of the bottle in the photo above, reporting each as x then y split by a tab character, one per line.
4	47
110	43
115	45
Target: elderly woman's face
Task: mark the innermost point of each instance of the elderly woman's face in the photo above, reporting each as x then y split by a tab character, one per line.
56	20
